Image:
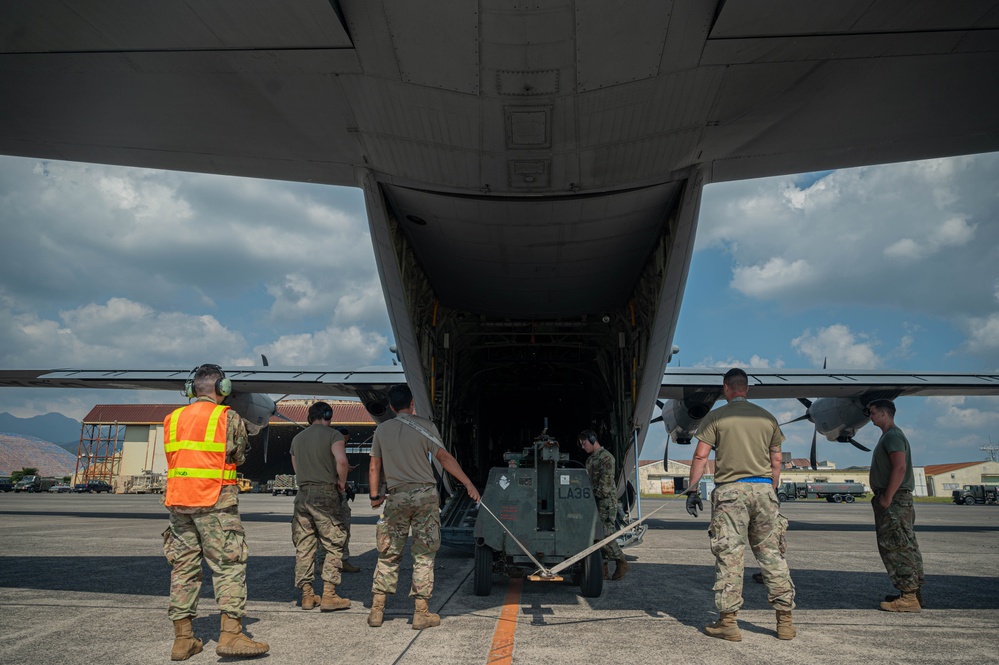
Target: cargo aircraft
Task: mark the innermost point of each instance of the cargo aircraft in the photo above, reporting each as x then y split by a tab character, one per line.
532	172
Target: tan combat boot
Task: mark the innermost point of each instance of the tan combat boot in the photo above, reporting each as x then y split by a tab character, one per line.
907	602
234	642
785	629
422	618
726	628
185	644
348	567
309	597
620	569
606	572
331	601
377	614
919	596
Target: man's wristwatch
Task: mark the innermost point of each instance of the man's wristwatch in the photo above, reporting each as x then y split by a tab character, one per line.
374	497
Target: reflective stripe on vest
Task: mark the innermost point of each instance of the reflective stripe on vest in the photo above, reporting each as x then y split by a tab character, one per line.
194	439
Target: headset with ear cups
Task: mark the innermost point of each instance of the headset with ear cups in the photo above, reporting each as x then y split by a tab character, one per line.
589	435
223	386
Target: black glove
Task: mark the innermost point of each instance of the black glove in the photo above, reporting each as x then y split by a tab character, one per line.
694	503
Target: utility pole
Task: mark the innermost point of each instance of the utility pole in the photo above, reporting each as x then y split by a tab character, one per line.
992	452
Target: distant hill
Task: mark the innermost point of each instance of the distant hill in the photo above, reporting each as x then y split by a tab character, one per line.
18	451
52	427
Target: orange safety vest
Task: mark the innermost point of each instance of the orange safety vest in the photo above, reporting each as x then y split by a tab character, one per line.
194	439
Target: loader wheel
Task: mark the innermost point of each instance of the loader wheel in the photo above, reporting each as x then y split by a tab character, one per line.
482	578
592	582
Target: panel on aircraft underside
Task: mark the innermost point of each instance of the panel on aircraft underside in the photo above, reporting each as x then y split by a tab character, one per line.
531	258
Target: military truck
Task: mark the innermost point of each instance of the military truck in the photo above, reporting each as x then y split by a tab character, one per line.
543	511
969	495
285	484
34	484
831	492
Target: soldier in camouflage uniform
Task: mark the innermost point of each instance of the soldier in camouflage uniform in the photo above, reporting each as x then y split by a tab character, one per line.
401	447
319	457
213	534
600	469
345	513
747	444
893	481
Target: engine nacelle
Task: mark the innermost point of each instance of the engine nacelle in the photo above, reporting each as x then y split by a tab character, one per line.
682	419
255	409
838	418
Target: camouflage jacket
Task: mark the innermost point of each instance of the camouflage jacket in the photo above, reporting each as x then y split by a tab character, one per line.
600	469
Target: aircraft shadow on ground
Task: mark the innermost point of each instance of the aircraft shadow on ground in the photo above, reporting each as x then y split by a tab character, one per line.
164	515
653	589
701	524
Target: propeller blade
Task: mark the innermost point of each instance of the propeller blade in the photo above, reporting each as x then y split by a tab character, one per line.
811	458
267	436
660	403
263	358
858	445
799	418
657	419
806	402
666	454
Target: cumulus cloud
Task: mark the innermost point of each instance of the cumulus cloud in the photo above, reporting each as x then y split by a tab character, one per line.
118	333
983	334
916	230
754	361
837	346
773	277
336	347
84	232
962	412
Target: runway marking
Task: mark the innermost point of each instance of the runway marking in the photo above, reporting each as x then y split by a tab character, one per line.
501	652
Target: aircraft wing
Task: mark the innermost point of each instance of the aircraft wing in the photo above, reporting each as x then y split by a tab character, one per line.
310	381
704	384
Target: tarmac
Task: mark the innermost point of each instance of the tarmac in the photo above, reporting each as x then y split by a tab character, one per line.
83	580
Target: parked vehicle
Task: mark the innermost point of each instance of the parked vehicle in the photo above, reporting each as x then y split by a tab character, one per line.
61	488
244	484
5	484
98	486
969	495
34	484
80	488
285	484
831	492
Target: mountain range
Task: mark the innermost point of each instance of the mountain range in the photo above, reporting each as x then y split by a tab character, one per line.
52	427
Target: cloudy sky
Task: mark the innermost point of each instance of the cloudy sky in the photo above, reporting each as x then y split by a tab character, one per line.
893	267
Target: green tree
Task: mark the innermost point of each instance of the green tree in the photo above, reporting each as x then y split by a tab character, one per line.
25	471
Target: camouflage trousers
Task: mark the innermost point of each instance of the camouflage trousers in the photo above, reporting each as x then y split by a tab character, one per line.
419	510
216	537
345	515
741	512
897	540
345	522
607	509
316	521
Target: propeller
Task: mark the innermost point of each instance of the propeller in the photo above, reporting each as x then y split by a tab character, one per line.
659	419
812	457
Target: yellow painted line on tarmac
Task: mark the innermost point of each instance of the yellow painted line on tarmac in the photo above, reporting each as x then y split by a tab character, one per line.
501	652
